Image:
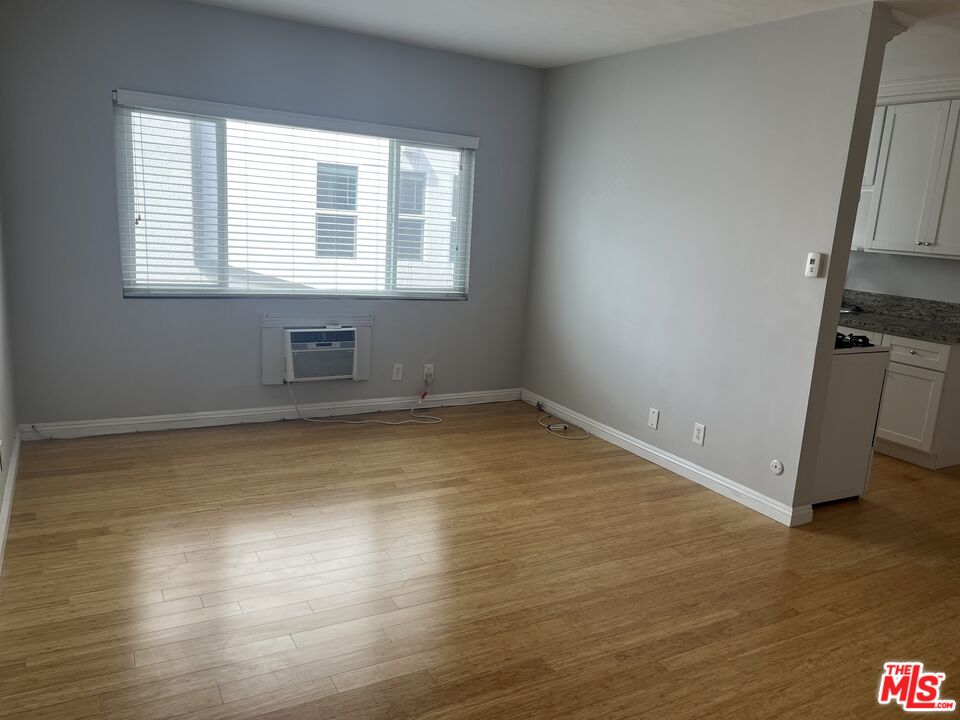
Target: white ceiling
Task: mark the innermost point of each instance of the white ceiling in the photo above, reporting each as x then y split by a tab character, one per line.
548	33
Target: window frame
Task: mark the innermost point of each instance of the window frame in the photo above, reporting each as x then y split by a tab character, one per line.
128	212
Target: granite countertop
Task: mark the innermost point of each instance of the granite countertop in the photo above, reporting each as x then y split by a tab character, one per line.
904	317
902	327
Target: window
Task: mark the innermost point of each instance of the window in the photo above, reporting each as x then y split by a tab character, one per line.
231	201
410	221
336	210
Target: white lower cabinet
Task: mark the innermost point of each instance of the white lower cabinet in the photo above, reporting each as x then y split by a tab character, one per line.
910	405
919	417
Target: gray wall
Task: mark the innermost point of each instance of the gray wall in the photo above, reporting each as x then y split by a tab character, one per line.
920	277
8	417
680	190
88	353
925	50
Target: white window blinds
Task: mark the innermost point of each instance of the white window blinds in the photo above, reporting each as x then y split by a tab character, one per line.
232	201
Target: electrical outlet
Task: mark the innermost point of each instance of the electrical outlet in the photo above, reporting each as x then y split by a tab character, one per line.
428	373
698	432
654	418
398	371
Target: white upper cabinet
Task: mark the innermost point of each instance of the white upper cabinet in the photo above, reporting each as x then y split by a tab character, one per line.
946	235
863	218
873	149
905	203
869	178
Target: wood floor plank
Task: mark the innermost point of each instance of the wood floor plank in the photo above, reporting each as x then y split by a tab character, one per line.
168	707
473	569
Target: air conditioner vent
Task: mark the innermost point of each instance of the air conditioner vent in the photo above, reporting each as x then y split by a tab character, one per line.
320	354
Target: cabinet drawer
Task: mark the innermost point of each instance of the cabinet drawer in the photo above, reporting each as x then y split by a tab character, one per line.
918	353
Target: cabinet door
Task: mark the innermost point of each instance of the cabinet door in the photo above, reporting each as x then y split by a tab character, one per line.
907	175
860	239
863	219
946	235
910	404
873	149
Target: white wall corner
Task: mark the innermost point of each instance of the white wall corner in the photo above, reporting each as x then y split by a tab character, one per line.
782	513
6	505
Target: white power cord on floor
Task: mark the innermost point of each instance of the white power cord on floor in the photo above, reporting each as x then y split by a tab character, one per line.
414	419
557	429
41	434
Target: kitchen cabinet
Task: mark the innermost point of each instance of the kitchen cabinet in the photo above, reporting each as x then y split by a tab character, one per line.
919	419
863	217
905	206
946	238
910	193
873	149
849	423
919	353
909	407
869	179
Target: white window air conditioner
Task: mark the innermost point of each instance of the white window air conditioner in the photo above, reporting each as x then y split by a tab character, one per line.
320	353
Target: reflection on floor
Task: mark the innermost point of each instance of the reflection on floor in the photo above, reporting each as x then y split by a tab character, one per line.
474	569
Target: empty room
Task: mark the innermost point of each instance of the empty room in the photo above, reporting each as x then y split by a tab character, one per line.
470	360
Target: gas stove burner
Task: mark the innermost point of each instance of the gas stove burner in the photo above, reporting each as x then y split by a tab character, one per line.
852	341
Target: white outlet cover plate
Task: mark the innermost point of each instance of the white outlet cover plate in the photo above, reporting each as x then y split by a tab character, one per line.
398	371
698	432
654	419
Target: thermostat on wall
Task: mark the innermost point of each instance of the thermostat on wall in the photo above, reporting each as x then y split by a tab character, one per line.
813	265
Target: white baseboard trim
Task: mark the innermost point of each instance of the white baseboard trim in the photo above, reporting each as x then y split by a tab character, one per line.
790	516
108	426
178	421
931	461
6	505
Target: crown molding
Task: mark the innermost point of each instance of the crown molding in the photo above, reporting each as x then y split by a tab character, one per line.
899	23
943	87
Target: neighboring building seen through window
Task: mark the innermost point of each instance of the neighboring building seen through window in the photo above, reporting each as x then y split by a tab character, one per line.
336	210
413	185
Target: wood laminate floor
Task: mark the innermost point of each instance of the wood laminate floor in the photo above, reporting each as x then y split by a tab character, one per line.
475	569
